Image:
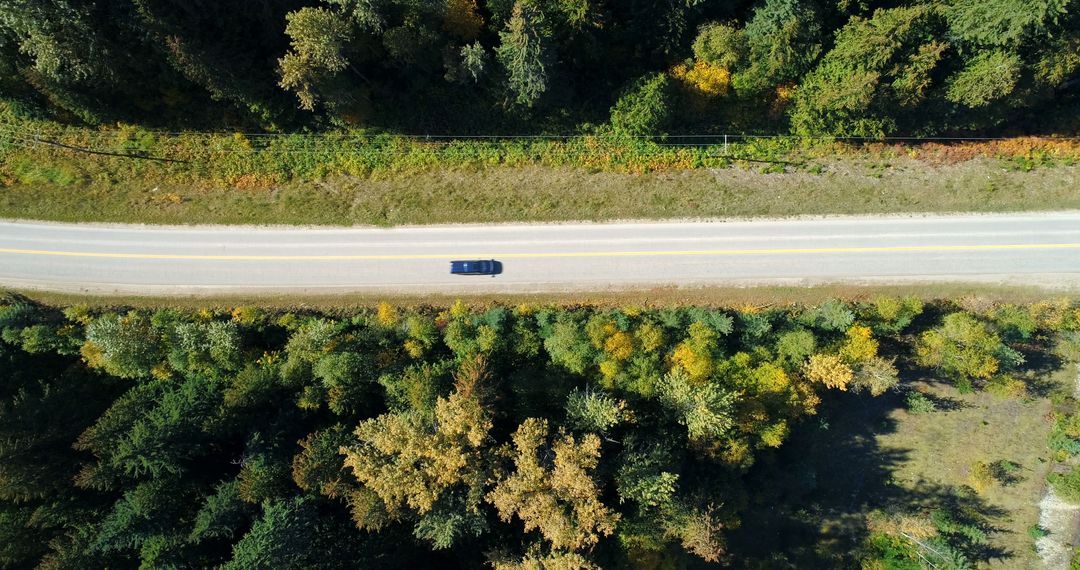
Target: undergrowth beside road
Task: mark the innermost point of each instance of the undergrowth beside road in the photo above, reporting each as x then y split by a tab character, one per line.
965	294
363	178
540	193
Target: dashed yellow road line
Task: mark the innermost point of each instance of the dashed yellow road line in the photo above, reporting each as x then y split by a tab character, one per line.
489	255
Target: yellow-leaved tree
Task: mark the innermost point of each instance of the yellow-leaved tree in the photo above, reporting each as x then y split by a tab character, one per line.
412	463
830	370
563	501
695	354
859	345
704	78
964	349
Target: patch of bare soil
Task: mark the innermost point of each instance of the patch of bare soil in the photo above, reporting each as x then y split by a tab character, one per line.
1061	520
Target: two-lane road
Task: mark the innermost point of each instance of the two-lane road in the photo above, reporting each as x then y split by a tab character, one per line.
1015	248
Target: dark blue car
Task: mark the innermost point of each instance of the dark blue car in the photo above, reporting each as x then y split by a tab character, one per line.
476	267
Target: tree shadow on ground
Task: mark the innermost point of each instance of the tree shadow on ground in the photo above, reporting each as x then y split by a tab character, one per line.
945	403
810	496
965	518
809	499
1038	373
1007	472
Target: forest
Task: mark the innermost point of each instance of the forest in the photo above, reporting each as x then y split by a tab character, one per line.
634	68
499	436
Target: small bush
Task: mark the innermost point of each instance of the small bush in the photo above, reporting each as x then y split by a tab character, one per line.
1067	485
877	376
980	477
1006	386
1015	323
794	347
891	315
831	316
1006	472
918	403
1036	532
1065	435
1068	346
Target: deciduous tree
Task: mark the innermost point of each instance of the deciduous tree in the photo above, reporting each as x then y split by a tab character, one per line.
561	501
961	348
318	37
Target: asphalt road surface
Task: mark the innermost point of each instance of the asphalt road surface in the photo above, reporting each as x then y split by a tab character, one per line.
1041	248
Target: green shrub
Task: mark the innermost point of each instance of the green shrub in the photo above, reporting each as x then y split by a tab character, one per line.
1006	386
644	109
1015	323
965	386
1068	346
1064	436
1006	472
891	315
795	347
918	403
964	348
831	316
1067	485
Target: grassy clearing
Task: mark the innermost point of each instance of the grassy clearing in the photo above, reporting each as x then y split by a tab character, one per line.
964	293
942	448
538	193
875	456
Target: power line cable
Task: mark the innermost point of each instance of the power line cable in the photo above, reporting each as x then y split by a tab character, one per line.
390	144
48	142
493	136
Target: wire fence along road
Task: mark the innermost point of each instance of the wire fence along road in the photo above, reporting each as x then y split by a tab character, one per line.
28	137
496	137
142	144
1017	248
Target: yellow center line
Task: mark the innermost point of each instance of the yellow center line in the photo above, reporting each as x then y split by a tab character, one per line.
671	253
